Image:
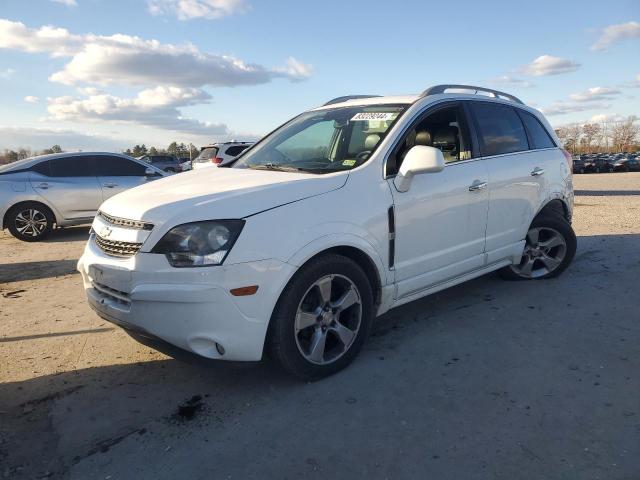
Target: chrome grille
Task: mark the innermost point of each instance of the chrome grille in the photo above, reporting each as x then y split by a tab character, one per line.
117	249
123	222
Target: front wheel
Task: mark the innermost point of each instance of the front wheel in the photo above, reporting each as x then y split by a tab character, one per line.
549	248
322	318
30	221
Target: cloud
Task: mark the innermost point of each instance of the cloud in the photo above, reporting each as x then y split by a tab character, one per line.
595	94
40	138
190	9
57	42
31	99
634	83
549	65
606	118
7	73
615	33
509	81
562	108
158	107
68	3
125	59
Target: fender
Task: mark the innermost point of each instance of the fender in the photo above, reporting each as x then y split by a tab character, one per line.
333	240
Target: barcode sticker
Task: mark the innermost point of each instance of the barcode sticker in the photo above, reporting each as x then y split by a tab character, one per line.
368	116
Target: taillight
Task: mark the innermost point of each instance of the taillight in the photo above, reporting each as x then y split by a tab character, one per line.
217	160
567	155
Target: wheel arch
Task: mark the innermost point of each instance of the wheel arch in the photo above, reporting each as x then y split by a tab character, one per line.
555	206
21	202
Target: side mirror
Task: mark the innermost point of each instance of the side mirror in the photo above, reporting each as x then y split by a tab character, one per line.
420	159
150	172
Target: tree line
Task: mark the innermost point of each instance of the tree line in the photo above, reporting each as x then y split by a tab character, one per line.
179	150
603	137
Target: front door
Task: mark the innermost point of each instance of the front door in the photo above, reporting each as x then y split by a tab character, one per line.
441	219
117	174
71	187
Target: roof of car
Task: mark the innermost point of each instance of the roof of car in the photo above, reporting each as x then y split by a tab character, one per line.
28	162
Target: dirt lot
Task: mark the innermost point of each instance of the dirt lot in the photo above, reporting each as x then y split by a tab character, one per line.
489	379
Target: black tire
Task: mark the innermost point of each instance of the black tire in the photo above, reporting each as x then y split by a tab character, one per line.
282	343
14	223
560	225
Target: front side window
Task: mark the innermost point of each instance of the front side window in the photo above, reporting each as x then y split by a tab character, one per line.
324	141
500	129
445	129
538	135
72	167
108	166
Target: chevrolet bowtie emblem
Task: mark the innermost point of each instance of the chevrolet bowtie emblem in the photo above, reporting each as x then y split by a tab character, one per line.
105	232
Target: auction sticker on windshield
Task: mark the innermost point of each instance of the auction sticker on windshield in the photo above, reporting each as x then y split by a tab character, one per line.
368	116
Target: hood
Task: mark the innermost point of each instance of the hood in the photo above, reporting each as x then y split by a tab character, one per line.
217	193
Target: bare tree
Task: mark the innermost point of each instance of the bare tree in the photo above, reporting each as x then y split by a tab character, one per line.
624	134
590	132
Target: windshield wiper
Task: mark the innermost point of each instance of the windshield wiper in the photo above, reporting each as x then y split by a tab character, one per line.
275	167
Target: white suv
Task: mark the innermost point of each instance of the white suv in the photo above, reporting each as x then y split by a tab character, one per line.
218	154
344	212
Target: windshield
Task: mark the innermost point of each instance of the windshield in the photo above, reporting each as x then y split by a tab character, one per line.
206	155
324	141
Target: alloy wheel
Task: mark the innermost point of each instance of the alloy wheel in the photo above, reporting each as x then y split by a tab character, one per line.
31	222
544	251
328	319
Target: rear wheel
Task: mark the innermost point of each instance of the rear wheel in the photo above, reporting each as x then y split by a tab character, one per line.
322	318
550	246
30	221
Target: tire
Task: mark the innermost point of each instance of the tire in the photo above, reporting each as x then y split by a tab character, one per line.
299	322
545	261
30	221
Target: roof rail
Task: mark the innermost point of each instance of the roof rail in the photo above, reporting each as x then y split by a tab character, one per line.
348	97
495	93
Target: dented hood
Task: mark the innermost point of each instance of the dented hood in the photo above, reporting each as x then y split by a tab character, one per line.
217	193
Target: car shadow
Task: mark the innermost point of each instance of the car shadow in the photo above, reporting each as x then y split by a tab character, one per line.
17	272
68	234
484	373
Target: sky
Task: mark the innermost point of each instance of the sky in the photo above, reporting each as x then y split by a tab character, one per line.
108	74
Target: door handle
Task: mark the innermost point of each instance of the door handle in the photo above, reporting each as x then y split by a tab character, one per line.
110	185
477	185
537	172
43	185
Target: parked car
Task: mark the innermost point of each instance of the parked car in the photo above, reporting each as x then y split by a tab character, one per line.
578	165
598	164
186	164
64	189
629	164
346	211
167	163
219	153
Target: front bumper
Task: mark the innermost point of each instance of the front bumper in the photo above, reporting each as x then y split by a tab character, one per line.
190	308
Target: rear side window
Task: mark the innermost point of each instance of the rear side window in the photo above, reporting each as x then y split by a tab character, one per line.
118	167
42	168
500	128
538	135
72	167
236	150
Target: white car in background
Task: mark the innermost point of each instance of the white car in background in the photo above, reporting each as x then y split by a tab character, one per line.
218	154
346	211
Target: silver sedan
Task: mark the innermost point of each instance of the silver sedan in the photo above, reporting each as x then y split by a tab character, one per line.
64	189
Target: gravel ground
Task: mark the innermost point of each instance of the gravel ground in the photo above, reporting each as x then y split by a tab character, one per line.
489	379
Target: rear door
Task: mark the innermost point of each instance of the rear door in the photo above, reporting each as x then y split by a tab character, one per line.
117	174
517	179
71	186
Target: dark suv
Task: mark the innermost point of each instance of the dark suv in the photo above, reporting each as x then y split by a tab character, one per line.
168	163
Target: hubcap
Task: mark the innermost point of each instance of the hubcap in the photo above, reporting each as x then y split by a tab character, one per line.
544	251
31	222
328	319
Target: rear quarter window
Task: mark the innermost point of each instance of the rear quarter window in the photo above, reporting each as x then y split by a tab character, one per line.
236	150
538	135
500	129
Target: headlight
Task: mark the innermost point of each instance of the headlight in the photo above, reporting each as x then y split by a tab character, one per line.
199	244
